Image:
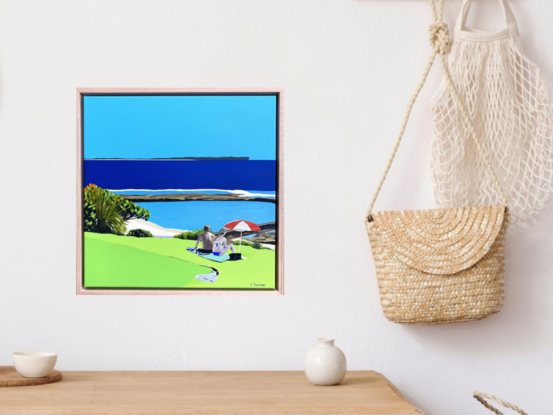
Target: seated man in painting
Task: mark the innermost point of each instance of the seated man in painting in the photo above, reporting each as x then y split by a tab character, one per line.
221	246
206	238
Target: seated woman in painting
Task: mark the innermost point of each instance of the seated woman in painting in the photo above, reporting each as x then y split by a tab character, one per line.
221	245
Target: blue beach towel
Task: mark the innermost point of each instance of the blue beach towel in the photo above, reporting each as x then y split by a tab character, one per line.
216	258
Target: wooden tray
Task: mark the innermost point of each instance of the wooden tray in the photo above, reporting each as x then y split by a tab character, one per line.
10	377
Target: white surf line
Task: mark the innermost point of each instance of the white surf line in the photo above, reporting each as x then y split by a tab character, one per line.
238	192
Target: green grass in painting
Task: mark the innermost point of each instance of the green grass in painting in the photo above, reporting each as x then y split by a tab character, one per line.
113	261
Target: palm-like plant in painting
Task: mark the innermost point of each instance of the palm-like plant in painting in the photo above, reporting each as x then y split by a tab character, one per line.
106	212
109	217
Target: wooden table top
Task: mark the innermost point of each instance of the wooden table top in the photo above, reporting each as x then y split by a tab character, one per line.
213	393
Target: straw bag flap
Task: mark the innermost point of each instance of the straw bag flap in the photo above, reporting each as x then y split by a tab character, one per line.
439	241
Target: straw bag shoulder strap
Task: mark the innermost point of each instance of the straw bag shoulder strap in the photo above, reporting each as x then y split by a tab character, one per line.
441	45
481	397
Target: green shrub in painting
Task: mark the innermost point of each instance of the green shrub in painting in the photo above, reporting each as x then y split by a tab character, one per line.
189	235
106	212
140	233
132	211
245	242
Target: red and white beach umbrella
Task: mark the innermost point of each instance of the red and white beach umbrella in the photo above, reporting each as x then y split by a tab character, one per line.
242	226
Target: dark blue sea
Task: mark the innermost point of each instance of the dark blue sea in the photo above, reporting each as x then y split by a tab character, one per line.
257	177
181	174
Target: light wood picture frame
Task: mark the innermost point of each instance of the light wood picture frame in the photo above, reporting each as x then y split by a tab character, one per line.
156	165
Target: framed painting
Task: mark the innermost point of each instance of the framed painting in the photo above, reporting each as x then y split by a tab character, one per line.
179	191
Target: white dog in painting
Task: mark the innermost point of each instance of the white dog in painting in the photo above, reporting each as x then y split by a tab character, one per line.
211	277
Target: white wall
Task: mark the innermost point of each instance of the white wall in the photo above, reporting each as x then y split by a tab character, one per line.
348	68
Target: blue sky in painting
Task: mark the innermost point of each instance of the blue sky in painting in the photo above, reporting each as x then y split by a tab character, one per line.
180	126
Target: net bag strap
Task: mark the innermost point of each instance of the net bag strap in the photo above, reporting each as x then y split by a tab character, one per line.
481	397
510	19
441	45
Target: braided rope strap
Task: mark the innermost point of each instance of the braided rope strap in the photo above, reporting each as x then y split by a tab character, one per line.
441	45
481	397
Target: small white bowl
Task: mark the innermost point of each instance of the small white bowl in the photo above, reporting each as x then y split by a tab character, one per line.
34	364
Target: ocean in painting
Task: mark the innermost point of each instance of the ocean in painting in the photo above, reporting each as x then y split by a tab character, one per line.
181	174
143	177
194	215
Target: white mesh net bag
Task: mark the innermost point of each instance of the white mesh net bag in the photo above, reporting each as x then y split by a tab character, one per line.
508	103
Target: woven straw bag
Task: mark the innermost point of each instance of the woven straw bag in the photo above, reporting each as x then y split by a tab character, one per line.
443	265
482	397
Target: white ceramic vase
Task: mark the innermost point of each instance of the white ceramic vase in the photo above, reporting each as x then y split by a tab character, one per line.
325	364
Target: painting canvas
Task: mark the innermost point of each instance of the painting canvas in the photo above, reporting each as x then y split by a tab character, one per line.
180	191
